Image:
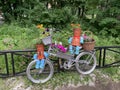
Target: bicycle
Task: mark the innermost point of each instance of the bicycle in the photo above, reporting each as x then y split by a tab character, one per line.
85	63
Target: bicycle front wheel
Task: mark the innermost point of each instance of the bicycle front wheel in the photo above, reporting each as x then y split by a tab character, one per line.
40	75
85	62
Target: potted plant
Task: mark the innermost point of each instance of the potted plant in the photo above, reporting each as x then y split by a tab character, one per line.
75	26
43	33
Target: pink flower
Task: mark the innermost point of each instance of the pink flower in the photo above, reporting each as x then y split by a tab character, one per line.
62	48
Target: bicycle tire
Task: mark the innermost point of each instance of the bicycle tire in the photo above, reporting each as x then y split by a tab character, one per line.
34	74
82	64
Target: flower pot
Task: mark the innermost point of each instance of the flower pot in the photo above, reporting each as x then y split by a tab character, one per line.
76	37
40	51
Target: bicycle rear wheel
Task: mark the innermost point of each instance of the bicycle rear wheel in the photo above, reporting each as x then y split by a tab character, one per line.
85	62
40	75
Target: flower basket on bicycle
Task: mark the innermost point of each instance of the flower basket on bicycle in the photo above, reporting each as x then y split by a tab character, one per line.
89	42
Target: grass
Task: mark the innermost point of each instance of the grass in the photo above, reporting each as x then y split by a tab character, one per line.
61	79
2	84
67	78
113	73
15	37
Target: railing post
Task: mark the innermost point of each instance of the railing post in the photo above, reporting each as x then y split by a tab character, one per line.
6	62
100	57
13	66
104	55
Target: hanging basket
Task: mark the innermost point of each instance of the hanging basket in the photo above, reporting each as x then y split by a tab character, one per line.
89	44
47	40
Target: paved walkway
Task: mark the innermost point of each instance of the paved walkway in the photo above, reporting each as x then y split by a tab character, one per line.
109	86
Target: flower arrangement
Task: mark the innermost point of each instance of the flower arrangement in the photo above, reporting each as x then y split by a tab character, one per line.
88	36
75	26
59	47
43	32
89	42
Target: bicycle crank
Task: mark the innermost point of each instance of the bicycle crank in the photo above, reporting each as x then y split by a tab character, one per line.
67	65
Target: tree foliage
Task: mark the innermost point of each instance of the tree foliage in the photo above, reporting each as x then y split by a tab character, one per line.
100	16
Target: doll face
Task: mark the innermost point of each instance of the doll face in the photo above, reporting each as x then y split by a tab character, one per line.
40	51
40	48
77	32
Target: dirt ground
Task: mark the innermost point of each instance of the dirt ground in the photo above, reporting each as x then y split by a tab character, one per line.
98	86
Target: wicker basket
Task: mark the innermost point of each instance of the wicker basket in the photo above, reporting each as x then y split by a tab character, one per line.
89	45
47	40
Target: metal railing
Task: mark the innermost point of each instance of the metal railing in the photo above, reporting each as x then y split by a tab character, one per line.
10	59
106	53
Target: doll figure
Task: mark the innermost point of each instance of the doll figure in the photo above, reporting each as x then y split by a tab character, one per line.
75	41
40	56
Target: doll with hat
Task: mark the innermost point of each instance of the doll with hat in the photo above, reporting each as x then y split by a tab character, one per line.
40	56
75	41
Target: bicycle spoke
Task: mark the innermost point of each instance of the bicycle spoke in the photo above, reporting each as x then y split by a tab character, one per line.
86	63
40	75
